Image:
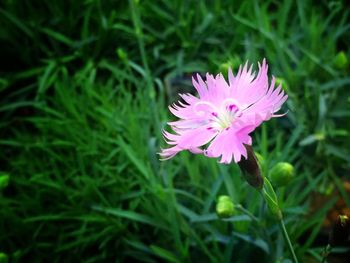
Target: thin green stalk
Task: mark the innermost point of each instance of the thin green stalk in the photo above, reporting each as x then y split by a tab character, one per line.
270	197
261	229
245	211
286	237
326	252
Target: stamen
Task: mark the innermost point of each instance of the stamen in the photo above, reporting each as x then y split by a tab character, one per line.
232	107
230	101
280	115
223	117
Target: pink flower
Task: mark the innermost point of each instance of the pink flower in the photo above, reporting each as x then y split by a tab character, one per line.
219	121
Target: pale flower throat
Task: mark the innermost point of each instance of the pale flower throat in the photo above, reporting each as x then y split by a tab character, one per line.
219	118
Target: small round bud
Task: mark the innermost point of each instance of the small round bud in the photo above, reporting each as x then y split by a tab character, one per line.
4	180
282	174
341	61
232	63
122	54
224	67
224	207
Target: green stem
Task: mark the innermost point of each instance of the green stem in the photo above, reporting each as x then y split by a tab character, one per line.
245	211
286	237
270	197
261	229
326	252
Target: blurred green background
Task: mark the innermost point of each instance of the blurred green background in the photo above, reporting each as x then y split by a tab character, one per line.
84	89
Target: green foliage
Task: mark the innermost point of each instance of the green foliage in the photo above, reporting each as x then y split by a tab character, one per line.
84	89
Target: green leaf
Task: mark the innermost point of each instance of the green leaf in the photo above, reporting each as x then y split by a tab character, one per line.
255	241
130	215
131	154
164	254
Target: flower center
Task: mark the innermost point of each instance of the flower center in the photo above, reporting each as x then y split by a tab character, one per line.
221	117
225	117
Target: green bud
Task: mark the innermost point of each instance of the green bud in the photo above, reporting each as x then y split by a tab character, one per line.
224	207
282	174
122	54
343	220
4	180
340	232
250	169
341	61
3	258
224	67
326	188
232	63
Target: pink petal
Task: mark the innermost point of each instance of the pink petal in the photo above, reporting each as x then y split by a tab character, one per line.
228	144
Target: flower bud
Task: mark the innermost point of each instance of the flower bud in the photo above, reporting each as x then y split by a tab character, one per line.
250	169
4	180
341	61
224	67
282	174
224	207
261	160
3	258
340	232
122	54
233	62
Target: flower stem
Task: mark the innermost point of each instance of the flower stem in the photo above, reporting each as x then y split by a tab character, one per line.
286	237
270	197
245	211
260	225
